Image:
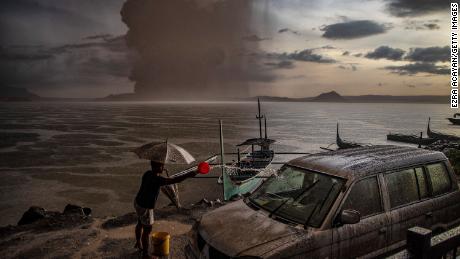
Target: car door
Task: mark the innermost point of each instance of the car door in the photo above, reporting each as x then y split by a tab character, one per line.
410	203
370	234
446	206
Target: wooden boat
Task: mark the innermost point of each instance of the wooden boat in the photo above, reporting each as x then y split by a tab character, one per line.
342	144
440	136
411	139
250	165
253	166
248	172
455	120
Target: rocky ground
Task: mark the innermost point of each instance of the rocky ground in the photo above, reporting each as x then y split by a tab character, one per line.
76	234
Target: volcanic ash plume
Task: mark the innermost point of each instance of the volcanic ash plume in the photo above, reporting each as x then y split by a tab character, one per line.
192	49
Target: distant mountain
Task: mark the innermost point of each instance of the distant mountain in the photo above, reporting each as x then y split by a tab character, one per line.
399	99
277	99
332	96
17	94
121	97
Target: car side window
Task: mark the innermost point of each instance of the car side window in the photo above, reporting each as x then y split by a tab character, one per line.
439	177
422	183
402	187
364	197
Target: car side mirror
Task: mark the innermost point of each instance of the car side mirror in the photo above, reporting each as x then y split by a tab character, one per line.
350	217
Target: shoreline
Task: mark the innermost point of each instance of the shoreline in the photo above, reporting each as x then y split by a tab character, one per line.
77	236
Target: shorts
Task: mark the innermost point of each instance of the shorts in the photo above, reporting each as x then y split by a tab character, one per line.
144	215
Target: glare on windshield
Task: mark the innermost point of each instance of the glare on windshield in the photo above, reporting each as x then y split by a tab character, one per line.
298	195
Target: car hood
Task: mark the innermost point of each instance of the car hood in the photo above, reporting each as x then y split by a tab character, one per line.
234	229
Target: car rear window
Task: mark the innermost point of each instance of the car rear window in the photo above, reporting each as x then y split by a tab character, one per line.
439	177
403	186
369	205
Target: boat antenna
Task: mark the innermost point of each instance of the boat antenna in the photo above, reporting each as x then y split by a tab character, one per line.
428	130
265	121
337	136
222	158
259	117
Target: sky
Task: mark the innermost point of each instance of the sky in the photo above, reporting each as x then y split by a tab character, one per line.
193	48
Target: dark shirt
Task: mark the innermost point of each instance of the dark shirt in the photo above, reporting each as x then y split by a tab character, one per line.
150	188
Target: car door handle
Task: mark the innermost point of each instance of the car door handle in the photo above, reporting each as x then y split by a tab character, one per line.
429	214
382	230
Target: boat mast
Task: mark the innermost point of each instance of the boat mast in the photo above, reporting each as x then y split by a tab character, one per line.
222	158
259	117
428	130
265	122
337	137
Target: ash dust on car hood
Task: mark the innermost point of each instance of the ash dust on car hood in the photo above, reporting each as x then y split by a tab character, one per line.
237	228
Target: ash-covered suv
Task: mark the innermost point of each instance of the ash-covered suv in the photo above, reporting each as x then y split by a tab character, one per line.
341	204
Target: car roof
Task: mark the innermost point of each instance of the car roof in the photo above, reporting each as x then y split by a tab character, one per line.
368	160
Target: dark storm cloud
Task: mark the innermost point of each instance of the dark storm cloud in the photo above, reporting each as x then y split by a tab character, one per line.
422	25
418	84
431	26
57	21
21	54
99	36
419	67
431	54
284	30
193	47
65	66
403	8
307	55
115	44
353	29
284	64
348	66
32	7
385	52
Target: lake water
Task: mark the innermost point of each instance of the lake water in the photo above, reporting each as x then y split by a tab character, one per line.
55	153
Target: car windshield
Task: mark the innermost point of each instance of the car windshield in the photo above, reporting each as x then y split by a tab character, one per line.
298	195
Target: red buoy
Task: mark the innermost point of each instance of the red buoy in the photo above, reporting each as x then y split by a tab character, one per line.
203	168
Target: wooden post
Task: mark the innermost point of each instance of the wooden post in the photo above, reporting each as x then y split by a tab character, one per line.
419	242
239	157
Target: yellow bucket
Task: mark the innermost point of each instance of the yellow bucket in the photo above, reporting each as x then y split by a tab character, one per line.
160	242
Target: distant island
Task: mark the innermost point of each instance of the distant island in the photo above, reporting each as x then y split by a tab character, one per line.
23	94
14	94
333	96
329	97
